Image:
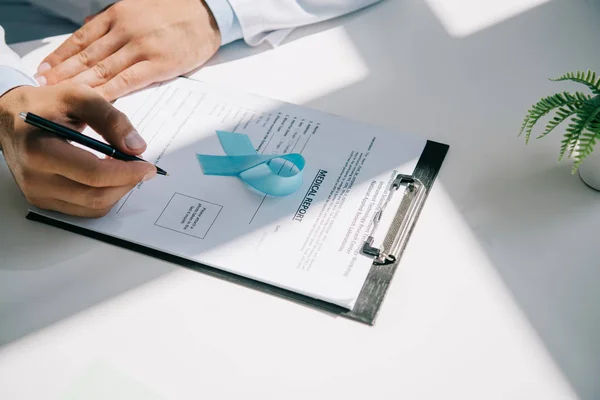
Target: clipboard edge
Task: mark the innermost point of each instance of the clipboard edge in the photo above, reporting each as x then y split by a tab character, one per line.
374	289
378	280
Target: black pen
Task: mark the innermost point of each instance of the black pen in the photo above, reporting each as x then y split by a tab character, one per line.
74	136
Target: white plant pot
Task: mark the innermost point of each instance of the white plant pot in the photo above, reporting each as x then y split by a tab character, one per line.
589	170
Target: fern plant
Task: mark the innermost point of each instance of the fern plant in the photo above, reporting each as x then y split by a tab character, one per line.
583	110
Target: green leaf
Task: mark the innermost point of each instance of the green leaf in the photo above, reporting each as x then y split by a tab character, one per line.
586	147
561	114
572	134
547	104
564	144
583	118
594	126
588	78
582	130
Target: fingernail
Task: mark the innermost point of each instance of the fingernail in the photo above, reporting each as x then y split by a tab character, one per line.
134	141
43	68
149	176
41	80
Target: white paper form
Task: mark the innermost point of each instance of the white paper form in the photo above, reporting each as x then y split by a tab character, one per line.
308	242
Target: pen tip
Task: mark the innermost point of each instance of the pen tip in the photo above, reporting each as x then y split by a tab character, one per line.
161	171
23	115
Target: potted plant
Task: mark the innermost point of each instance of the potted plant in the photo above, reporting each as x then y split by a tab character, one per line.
583	129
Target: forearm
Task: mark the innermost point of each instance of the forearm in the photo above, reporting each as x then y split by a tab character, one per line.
271	20
10	79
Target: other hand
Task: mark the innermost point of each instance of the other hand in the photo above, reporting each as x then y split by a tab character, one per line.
54	174
135	43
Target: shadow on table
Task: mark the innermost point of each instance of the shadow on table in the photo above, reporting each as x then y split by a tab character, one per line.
525	209
449	94
45	286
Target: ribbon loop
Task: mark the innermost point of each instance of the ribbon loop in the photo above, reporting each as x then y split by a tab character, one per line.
270	174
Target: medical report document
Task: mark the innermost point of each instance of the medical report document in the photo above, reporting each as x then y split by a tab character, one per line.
308	242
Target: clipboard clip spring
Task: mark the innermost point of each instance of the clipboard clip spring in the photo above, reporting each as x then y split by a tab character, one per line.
401	224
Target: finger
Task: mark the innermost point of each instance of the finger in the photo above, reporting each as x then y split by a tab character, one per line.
78	41
136	77
56	156
89	58
68	208
61	188
108	68
86	105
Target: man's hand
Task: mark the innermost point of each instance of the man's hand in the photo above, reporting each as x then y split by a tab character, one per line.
54	174
133	44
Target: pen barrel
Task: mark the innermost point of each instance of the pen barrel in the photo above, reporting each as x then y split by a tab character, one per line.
125	157
70	134
77	137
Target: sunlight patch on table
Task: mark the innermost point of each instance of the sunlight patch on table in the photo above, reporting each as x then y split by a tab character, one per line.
291	77
456	289
465	17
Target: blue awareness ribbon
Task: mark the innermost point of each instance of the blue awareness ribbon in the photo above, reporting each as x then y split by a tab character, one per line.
270	174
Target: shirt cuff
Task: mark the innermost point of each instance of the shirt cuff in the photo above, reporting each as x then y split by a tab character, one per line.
11	78
228	23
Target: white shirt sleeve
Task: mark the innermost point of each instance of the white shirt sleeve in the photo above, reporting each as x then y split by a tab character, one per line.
273	20
11	72
255	21
228	23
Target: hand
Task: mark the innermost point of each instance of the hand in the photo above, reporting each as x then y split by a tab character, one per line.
52	173
133	44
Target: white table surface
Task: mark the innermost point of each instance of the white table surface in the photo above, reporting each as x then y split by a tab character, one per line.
496	297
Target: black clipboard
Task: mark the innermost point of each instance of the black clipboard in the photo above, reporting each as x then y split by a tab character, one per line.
385	258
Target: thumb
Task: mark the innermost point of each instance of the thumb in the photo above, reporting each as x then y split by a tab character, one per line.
89	107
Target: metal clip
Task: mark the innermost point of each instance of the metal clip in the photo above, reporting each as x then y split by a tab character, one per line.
401	224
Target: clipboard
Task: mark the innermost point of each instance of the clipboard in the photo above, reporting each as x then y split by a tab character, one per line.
414	190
